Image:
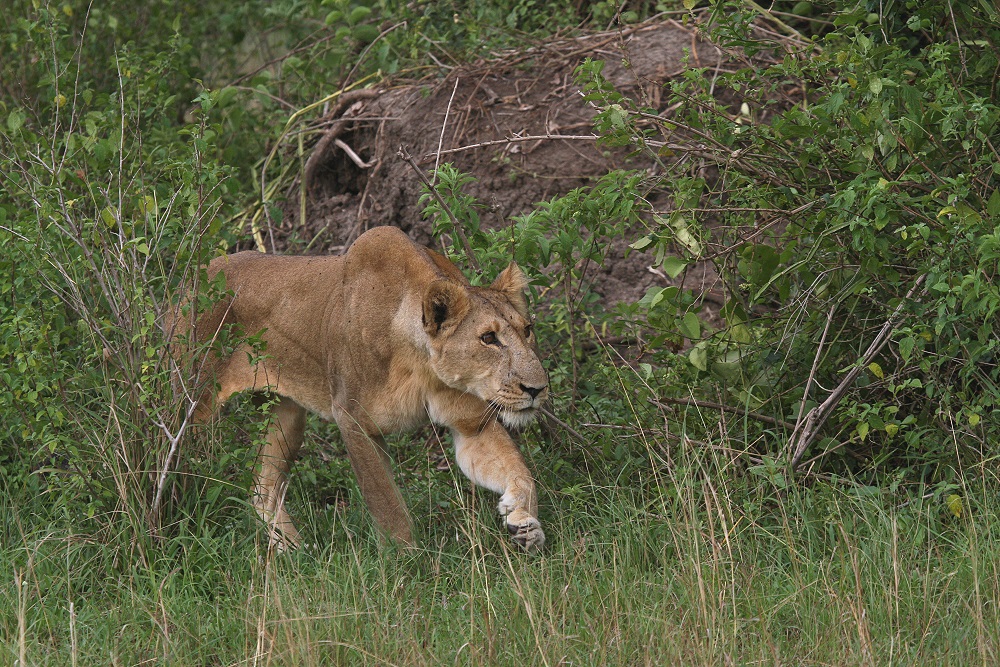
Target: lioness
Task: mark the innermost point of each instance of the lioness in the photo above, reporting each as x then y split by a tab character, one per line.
381	339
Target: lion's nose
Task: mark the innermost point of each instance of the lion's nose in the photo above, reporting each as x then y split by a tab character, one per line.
532	391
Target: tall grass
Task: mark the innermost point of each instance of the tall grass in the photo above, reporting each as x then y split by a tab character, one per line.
702	571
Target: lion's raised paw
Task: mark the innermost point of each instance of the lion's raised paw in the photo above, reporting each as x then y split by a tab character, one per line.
526	533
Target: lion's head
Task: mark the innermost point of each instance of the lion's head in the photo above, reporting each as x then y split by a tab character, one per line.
482	342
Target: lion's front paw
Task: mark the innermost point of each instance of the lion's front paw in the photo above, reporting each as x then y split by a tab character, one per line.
525	530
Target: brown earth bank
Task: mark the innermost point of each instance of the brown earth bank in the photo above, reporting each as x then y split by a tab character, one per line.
517	123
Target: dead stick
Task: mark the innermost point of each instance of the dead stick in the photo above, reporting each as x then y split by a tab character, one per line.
695	403
548	413
355	158
444	126
806	432
403	154
347	99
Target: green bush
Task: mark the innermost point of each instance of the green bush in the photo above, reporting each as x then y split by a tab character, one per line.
110	206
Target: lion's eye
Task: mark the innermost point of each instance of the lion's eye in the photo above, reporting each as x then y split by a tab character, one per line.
490	338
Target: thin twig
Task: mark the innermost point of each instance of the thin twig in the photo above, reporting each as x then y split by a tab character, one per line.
812	371
361	57
405	155
444	125
743	412
781	215
514	140
575	434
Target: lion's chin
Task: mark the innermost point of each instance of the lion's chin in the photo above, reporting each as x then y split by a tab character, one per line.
516	419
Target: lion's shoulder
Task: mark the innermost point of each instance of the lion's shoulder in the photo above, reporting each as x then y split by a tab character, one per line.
391	252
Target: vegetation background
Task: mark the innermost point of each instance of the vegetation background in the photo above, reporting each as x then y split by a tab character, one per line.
809	478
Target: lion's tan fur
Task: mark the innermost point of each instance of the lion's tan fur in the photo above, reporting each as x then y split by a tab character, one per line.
380	339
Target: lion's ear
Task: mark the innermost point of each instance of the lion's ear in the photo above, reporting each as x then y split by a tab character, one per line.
512	282
445	305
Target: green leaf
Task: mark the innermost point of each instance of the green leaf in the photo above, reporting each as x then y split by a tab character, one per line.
365	33
683	235
954	503
642	243
993	205
360	14
654	295
226	96
108	216
740	333
698	357
906	347
728	371
15	120
673	265
690	326
863	430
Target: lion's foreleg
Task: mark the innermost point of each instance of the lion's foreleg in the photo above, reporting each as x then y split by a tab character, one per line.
491	460
374	472
284	437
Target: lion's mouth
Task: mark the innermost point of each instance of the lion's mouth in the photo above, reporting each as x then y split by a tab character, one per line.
518	417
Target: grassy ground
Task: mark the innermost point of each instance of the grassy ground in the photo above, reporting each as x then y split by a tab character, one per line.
695	570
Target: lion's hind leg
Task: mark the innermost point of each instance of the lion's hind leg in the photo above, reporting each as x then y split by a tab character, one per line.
283	440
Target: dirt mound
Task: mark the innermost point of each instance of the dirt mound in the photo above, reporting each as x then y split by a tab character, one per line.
518	124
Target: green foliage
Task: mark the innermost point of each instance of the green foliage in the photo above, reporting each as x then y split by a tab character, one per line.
875	193
564	231
478	26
